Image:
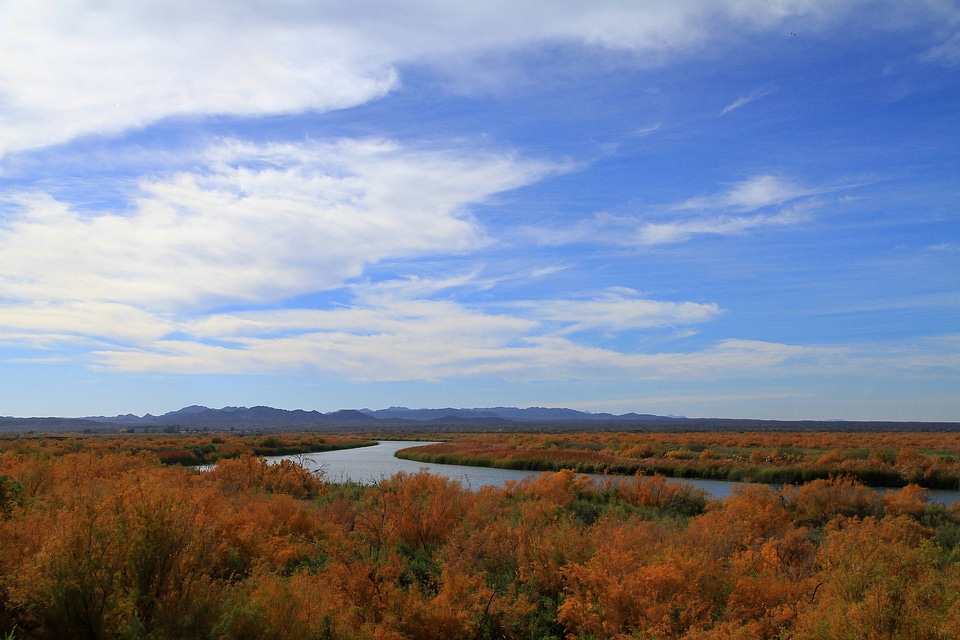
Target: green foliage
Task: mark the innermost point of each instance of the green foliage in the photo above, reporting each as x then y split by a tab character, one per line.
420	568
11	495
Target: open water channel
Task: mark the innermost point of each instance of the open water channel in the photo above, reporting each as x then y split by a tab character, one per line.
369	464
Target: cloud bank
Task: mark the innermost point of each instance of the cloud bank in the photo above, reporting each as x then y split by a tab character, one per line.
70	69
258	225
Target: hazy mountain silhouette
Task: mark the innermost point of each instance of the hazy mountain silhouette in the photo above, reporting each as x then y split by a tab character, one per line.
398	419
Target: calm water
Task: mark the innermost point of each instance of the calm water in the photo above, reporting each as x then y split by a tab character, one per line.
369	464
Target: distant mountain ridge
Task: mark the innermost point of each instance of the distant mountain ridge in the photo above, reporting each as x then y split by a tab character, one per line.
196	416
400	419
268	418
513	414
260	416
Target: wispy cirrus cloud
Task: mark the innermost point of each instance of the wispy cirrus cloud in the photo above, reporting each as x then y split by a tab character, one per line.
399	330
385	336
616	311
754	193
646	131
435	340
744	100
392	357
670	232
946	53
757	202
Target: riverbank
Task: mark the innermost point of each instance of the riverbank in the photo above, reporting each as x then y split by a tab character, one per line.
931	460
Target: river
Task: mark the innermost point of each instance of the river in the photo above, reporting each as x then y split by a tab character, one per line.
369	464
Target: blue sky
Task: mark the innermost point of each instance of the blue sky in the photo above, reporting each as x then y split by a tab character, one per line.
720	208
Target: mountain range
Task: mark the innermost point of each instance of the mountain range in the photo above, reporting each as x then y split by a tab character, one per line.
399	419
267	417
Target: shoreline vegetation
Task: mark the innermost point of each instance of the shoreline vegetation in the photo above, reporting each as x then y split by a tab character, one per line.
100	539
191	450
884	459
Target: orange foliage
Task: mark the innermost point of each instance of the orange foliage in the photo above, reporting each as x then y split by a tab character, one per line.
656	491
931	459
909	501
97	542
557	489
819	501
877	579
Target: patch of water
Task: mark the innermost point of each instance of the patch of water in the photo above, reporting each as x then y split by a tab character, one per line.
369	464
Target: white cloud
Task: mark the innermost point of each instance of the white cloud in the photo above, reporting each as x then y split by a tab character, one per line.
420	340
670	232
617	311
743	100
50	323
391	332
261	224
74	68
729	212
725	213
946	53
430	340
751	194
397	307
646	131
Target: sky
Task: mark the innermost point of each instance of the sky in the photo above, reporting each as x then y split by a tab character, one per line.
723	208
